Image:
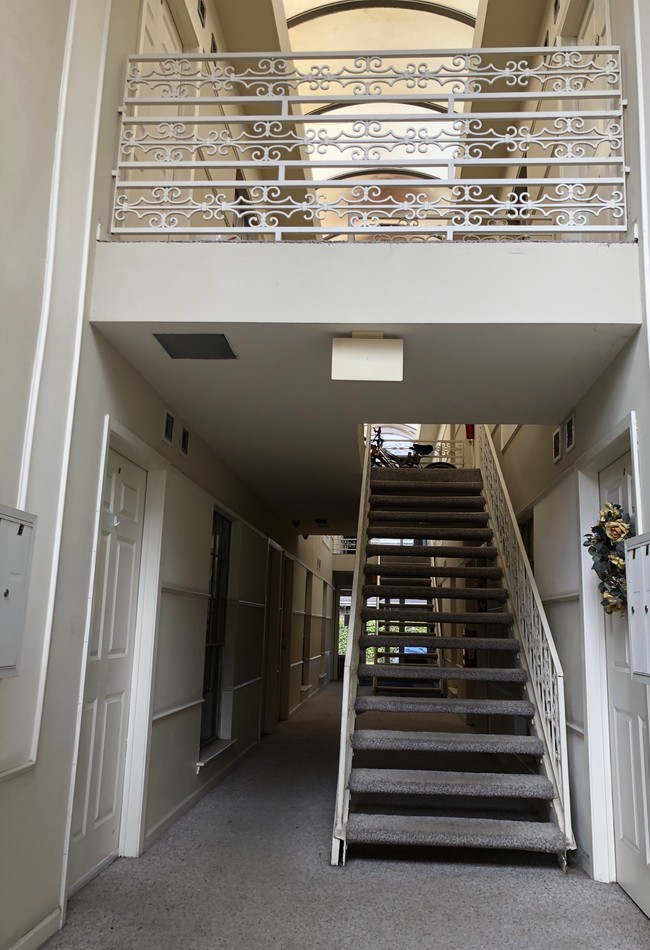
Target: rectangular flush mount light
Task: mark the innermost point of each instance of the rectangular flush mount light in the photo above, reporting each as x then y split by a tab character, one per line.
368	358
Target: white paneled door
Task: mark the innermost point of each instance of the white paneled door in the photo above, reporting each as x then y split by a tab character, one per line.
102	743
159	32
629	715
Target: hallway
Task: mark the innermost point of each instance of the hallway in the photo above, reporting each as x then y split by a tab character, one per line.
249	868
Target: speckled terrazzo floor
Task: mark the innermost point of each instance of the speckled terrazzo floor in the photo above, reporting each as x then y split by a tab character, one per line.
249	868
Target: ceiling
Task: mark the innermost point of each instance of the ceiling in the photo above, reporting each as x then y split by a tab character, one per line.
292	433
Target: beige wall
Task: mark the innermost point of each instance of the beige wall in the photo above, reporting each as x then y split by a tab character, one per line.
33	802
26	169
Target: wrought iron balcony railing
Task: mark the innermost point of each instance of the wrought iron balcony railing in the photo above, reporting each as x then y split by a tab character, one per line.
342	544
420	145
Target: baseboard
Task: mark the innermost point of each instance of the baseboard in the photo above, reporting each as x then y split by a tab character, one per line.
41	932
89	875
307	699
579	858
179	810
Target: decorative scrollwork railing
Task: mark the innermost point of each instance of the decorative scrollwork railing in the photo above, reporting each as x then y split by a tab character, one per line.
423	145
539	654
342	544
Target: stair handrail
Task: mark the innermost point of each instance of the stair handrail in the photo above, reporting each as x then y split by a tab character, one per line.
539	653
351	666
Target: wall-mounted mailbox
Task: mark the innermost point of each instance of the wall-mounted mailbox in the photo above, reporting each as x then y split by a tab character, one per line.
637	569
16	544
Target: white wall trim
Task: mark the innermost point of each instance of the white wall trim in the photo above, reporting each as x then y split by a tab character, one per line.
233	689
89	875
41	932
136	772
103	455
643	161
37	372
528	508
184	591
179	810
596	703
309	697
597	737
121	440
173	710
561	599
79	300
574	727
213	751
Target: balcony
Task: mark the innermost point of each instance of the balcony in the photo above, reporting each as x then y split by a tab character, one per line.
449	145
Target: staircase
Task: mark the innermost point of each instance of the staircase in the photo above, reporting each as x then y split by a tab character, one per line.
442	744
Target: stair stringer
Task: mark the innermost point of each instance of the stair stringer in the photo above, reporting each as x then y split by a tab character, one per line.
350	677
531	629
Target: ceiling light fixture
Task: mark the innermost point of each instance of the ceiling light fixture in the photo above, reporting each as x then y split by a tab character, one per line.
368	357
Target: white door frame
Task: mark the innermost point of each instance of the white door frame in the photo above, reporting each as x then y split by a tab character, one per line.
131	840
620	439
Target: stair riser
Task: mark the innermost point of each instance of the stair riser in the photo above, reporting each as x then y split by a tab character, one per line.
409	532
461	518
417	616
404	476
422	571
471	806
435	593
502	645
428	489
407	671
426	502
425	551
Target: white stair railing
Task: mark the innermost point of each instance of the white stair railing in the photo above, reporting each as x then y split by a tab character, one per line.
538	651
350	670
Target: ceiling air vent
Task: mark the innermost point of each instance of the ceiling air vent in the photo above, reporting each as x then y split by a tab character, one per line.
196	346
321	522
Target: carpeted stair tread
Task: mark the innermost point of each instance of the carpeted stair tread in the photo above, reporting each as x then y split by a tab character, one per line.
504	644
429	517
429	570
385	486
429	532
430	831
420	615
393	740
476	784
427	502
432	704
422	550
412	671
498	594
